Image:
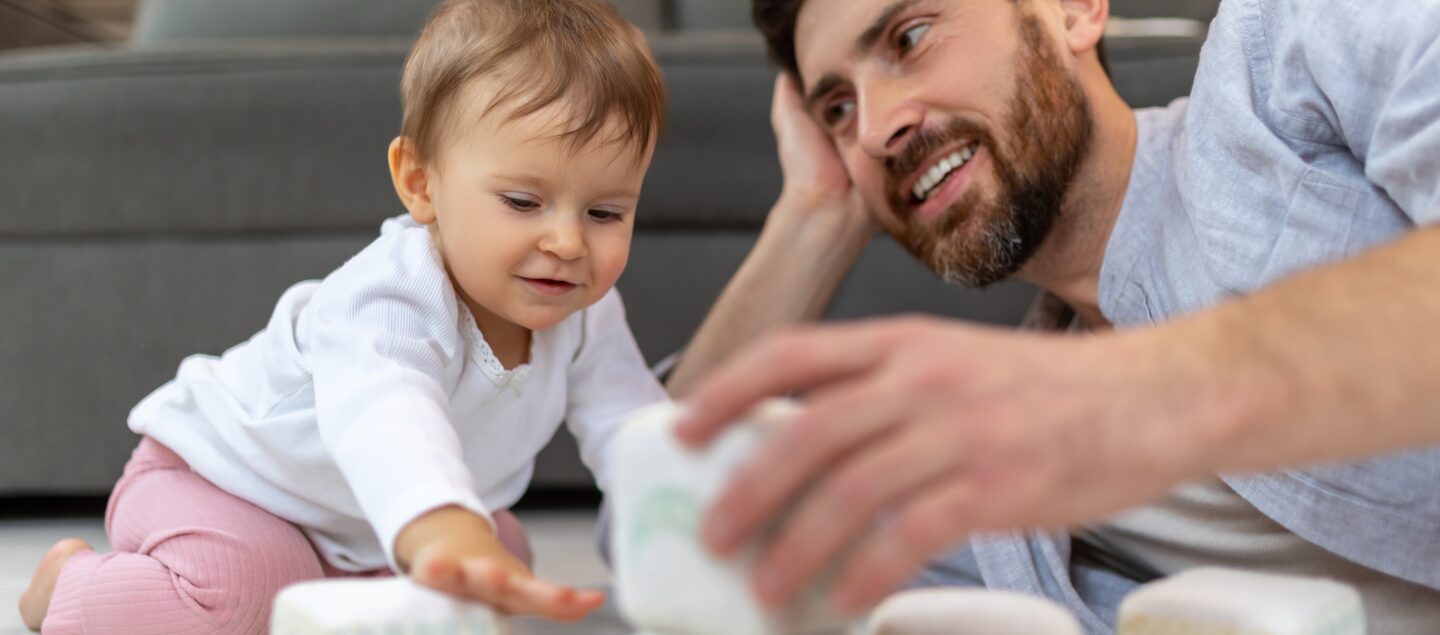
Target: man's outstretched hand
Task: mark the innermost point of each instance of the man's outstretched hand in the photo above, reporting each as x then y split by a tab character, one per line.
942	429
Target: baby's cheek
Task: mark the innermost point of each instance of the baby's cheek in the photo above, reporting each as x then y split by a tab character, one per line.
609	266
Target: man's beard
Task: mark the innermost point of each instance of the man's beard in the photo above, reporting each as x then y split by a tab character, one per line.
982	239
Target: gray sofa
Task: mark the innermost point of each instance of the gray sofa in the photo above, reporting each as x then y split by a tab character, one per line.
156	199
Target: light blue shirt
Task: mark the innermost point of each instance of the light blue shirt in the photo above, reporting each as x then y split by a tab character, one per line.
1312	134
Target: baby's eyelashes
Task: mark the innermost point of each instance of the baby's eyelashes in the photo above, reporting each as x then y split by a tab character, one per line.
519	204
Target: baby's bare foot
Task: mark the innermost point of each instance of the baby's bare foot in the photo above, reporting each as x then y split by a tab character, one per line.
35	601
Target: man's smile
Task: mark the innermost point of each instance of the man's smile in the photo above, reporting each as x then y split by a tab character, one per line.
941	179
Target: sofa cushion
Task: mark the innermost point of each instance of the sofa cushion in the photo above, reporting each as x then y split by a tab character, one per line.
225	138
164	21
160	21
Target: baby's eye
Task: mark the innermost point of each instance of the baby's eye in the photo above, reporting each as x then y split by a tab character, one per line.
910	38
519	204
604	216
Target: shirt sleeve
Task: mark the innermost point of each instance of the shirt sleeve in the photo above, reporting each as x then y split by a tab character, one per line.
383	340
608	380
1376	71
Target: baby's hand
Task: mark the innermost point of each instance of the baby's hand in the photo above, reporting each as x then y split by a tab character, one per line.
450	554
504	583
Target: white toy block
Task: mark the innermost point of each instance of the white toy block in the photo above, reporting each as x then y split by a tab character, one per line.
970	612
1212	601
377	606
666	583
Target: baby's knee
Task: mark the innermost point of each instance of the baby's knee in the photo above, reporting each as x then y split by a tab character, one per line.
233	582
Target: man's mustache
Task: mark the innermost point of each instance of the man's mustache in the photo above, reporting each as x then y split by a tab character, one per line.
925	143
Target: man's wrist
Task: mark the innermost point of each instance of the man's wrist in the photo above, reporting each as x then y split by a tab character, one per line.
826	222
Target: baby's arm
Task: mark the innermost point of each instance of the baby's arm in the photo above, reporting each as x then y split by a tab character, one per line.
381	338
455	550
608	381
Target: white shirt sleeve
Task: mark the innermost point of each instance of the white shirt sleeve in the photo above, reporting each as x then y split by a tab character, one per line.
384	338
608	380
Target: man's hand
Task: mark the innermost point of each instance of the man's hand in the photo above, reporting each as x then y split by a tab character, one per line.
815	178
454	551
943	429
812	238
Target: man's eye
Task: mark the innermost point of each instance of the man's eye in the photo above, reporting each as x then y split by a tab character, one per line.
521	204
838	110
910	38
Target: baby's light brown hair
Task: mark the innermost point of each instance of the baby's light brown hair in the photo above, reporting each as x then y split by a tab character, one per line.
580	53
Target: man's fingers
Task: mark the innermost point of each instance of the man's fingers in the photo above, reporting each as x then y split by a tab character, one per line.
843	417
927	527
780	364
846	504
785	102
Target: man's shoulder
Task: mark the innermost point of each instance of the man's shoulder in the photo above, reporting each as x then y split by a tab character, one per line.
1314	71
1342	33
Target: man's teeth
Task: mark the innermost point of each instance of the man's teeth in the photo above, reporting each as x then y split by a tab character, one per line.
927	183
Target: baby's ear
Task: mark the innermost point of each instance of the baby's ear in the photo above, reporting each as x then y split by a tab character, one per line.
412	180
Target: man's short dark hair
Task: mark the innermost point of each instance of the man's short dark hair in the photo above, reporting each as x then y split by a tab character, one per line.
776	21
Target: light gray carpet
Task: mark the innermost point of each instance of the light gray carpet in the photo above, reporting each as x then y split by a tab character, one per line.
563	542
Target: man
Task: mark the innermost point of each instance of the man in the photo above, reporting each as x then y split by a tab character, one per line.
1256	265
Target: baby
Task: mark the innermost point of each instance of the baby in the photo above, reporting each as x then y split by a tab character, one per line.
386	415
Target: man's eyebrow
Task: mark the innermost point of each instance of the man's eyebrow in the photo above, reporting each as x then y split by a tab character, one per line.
864	43
822	88
872	34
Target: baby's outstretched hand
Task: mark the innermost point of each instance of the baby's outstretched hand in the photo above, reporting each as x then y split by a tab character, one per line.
447	552
505	584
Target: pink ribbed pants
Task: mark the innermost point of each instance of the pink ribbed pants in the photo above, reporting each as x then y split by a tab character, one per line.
189	558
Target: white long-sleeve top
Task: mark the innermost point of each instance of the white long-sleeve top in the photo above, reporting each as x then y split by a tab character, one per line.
371	398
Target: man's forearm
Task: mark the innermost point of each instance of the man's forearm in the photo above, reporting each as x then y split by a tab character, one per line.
1342	362
789	277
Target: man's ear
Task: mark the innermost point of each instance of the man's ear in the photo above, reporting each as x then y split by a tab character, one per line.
412	180
1084	23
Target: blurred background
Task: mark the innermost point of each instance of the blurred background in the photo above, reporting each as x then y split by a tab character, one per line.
169	167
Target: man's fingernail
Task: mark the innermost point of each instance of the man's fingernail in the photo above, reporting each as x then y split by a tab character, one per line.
717	534
684	419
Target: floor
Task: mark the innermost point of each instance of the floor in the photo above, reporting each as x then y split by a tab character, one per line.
563	543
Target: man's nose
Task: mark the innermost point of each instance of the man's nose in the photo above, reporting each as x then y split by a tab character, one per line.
886	119
564	238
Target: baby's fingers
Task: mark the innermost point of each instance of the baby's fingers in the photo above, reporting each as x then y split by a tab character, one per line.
559	603
441	574
486	582
516	594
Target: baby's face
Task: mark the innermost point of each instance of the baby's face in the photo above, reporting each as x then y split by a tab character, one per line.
532	228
